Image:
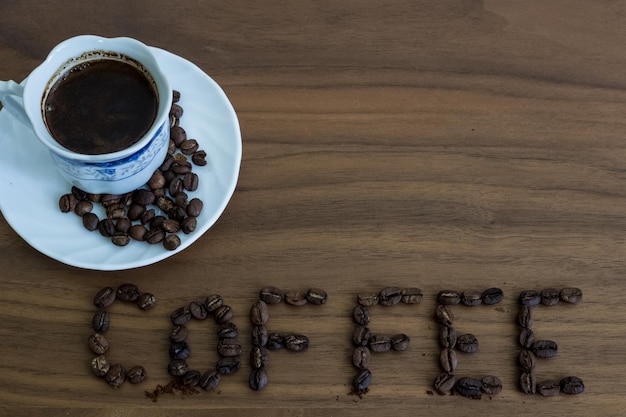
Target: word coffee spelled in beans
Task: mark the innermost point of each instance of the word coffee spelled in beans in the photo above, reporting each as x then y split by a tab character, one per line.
157	213
455	346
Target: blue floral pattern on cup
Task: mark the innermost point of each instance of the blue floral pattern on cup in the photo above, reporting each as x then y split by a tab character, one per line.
115	170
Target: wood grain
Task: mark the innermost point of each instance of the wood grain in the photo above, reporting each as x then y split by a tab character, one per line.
444	145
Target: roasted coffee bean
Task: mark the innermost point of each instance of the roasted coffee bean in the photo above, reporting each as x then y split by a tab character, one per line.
526	338
362	380
528	382
271	295
448	297
146	301
83	207
448	359
295	298
98	343
471	298
492	296
91	221
544	349
316	296
190	379
189	224
179	214
157	180
157	222
367	300
361	357
116	375
147	217
154	236
447	337
105	297
189	146
181	315
571	295
178	333
411	296
259	314
167	163
100	321
106	227
128	292
138	232
467	343
527	360
529	298
175	96
209	380
223	314
228	347
176	111
190	181
143	197
572	385
389	296
123	225
100	366
228	365
468	387
120	239
296	342
258	379
67	203
194	208
181	166
78	193
379	343
260	336
135	211
549	388
361	336
177	367
166	204
198	310
175	186
199	158
275	341
361	315
178	135
116	212
525	318
181	199
227	330
108	200
400	342
444	315
213	302
258	357
549	297
136	374
179	350
491	385
444	382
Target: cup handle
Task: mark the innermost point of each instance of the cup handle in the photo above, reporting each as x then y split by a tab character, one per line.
11	94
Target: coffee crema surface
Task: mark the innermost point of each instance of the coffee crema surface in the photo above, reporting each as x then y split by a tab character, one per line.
100	106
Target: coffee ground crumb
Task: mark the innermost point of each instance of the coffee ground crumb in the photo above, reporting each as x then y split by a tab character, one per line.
172	388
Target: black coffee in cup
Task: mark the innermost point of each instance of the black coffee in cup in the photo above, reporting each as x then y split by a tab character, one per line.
100	106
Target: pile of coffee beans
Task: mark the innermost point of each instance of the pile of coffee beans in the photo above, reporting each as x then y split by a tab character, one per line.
535	348
157	212
366	342
114	374
228	348
451	342
263	341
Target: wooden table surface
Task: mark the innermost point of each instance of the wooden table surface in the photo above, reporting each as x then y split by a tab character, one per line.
449	145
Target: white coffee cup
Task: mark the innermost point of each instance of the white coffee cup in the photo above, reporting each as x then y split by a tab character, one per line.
114	173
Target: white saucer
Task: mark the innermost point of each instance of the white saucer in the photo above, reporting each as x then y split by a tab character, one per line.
30	185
